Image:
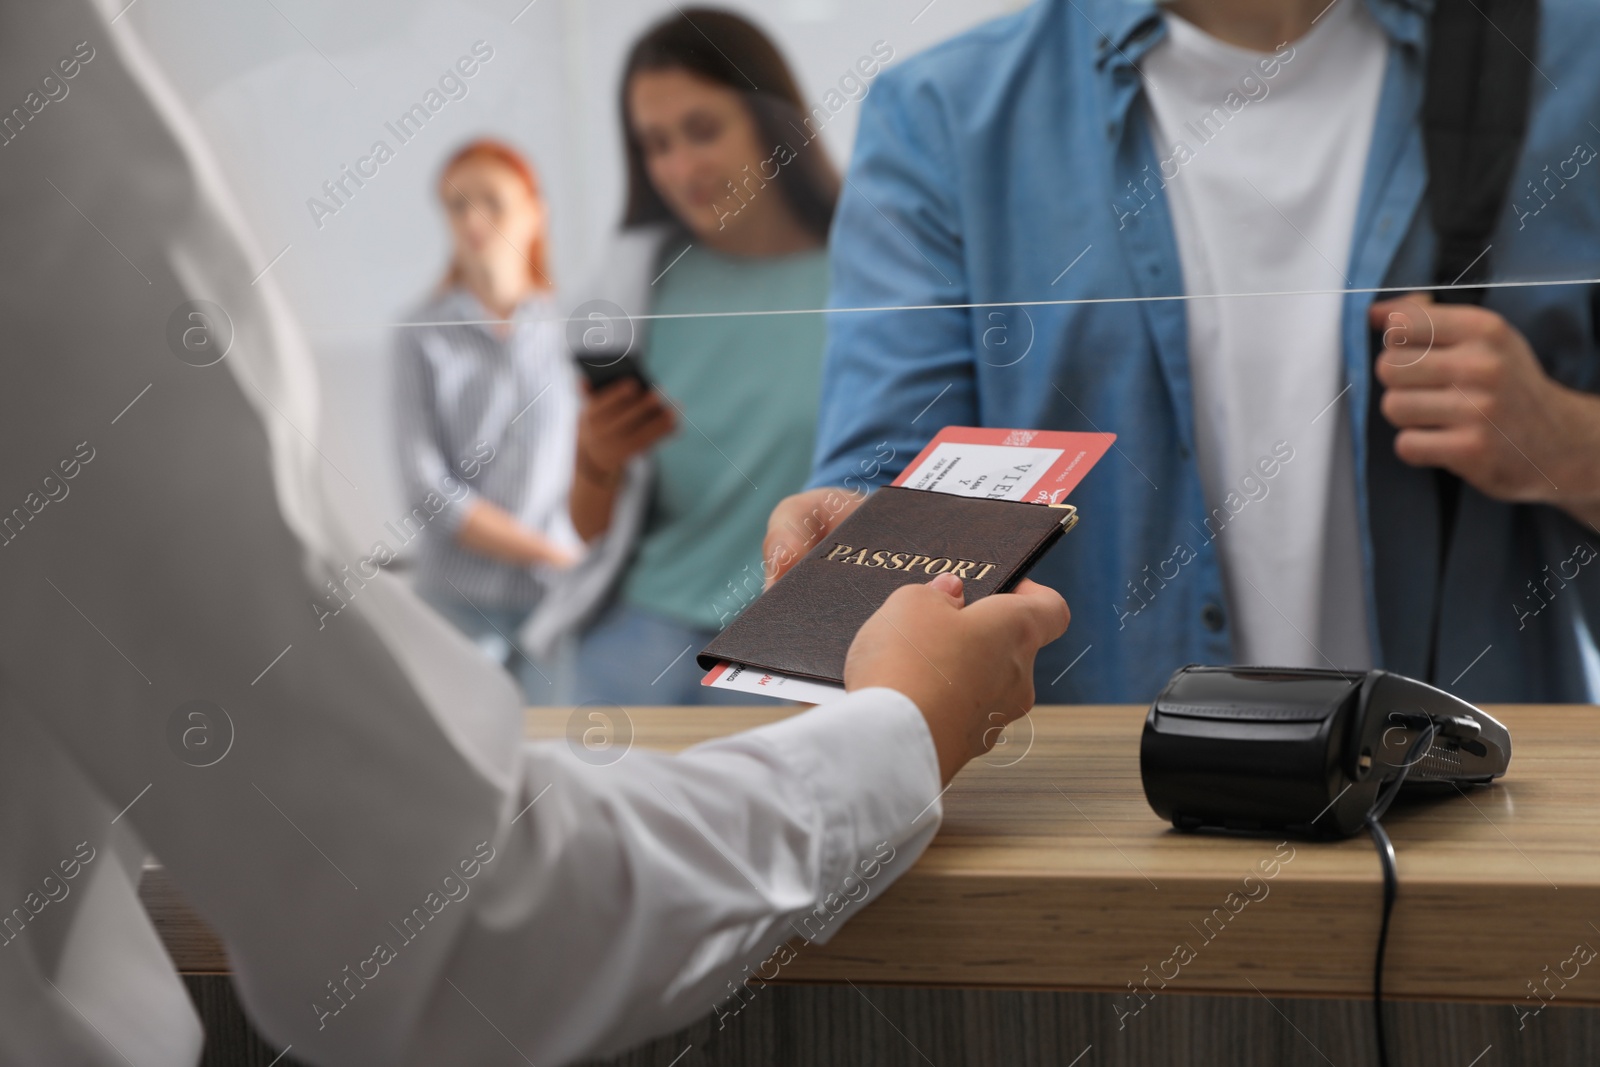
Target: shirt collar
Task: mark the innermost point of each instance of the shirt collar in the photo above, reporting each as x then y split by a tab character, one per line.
1127	29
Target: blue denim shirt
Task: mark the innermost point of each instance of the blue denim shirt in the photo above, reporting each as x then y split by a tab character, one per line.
988	165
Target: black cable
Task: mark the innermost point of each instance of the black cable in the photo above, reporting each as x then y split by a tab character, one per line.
1391	876
1391	886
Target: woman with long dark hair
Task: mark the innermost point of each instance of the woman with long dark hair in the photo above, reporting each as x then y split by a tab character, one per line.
730	195
486	407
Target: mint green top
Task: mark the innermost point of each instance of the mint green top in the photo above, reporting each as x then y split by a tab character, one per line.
747	390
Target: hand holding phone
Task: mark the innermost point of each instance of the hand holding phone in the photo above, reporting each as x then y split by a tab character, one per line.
601	369
619	420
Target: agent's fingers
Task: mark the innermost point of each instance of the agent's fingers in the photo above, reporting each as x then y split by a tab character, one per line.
920	597
1038	611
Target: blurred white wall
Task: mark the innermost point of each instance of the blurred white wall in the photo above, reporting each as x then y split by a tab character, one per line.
291	91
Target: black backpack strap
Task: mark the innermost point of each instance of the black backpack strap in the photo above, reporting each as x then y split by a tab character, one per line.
1474	116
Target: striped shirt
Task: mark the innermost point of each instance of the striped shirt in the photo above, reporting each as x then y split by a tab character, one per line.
483	417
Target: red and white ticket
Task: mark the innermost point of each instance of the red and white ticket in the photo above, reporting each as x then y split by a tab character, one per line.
1036	466
742	679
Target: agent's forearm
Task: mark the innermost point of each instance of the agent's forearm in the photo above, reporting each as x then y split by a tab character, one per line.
664	880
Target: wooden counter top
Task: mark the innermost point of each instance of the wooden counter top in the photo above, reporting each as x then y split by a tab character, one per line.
1051	871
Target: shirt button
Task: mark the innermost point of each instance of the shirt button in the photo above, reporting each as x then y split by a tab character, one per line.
1213	617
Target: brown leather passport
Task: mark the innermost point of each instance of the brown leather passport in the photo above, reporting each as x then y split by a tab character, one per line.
804	624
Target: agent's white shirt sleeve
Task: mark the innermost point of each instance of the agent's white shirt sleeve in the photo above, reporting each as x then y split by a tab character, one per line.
195	662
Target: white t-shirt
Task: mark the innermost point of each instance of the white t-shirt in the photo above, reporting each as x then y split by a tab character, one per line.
1262	158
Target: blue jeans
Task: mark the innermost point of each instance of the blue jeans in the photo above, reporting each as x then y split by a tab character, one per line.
494	630
637	658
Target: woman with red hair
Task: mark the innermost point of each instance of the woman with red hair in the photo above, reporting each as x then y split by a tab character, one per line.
486	403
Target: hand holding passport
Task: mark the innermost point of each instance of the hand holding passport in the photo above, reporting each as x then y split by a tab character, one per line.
984	653
978	504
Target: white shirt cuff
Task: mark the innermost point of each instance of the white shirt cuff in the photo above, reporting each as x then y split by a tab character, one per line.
871	764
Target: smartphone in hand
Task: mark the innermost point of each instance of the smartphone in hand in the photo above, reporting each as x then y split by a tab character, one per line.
601	369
